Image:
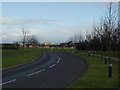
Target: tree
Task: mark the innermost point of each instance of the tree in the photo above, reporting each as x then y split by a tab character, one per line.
33	40
105	35
25	36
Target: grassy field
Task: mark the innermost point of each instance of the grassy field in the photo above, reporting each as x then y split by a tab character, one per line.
23	55
96	75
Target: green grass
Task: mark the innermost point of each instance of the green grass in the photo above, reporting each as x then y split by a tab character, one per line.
96	75
23	55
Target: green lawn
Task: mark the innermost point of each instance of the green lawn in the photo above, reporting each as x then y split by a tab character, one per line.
23	55
96	75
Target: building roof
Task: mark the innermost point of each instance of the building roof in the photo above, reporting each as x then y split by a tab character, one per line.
47	43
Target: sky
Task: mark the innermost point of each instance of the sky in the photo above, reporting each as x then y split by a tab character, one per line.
50	21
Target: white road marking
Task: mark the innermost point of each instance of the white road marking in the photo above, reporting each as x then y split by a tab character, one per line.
44	69
52	65
59	59
36	72
8	82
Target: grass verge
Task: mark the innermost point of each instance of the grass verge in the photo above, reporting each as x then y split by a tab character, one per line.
96	75
23	55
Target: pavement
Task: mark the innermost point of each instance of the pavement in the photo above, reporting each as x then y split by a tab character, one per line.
52	70
103	56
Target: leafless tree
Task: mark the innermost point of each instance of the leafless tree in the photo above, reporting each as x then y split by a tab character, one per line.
25	35
106	33
33	40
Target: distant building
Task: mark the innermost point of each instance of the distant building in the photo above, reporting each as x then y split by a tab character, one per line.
28	44
21	44
46	44
70	44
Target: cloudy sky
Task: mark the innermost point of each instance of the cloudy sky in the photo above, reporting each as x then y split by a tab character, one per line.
50	21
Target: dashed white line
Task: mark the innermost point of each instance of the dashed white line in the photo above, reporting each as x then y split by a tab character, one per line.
58	58
44	69
58	61
52	65
36	72
8	82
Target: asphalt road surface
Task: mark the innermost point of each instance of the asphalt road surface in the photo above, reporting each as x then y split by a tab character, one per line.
52	70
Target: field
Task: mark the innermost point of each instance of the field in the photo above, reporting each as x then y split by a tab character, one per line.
23	55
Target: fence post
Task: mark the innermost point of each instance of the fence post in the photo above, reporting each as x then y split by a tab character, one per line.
89	54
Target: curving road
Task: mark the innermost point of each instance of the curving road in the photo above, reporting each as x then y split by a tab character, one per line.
52	70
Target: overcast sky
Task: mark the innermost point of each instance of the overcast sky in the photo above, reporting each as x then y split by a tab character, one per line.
50	21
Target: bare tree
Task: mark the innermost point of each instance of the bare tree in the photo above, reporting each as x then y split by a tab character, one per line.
25	36
33	40
105	35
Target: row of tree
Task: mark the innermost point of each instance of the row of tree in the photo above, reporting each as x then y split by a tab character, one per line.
105	35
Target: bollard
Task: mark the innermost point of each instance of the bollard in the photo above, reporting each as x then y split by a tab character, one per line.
110	70
89	54
105	60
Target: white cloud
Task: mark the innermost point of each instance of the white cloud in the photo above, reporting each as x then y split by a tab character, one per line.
56	35
5	21
10	35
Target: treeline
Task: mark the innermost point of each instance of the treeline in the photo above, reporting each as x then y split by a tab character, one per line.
105	35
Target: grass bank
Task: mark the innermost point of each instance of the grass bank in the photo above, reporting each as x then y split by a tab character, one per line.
96	75
23	55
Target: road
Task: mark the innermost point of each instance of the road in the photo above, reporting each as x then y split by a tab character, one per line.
52	70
